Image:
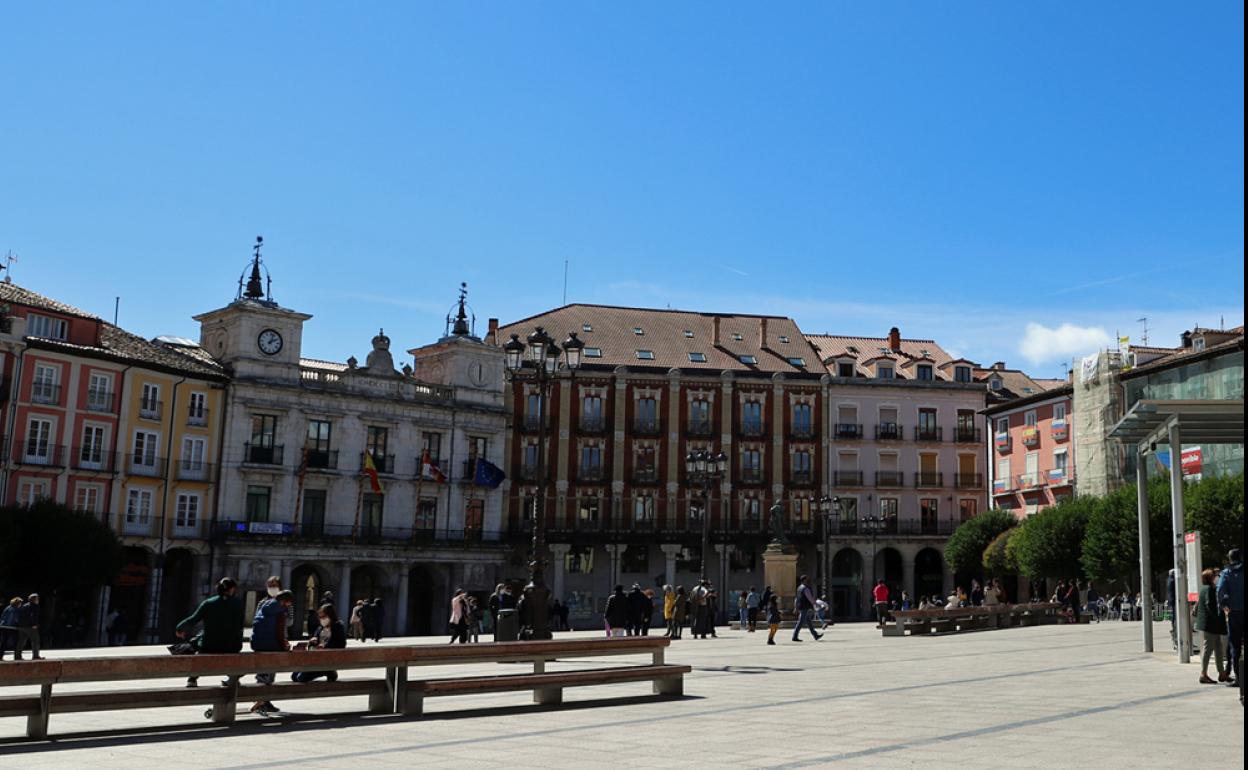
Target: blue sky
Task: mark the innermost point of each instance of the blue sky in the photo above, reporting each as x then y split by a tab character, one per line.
979	173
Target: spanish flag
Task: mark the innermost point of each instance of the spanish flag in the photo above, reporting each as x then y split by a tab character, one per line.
370	470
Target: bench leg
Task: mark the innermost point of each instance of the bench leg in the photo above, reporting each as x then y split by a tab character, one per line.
224	708
414	702
547	696
669	685
37	724
892	629
658	657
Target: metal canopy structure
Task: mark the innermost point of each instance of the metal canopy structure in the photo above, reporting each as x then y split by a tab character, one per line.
1148	424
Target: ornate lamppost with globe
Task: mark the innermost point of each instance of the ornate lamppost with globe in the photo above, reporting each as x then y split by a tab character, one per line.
538	360
703	469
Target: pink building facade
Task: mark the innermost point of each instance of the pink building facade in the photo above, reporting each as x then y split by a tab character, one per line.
1033	451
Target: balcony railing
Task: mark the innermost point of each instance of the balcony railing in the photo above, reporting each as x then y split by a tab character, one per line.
928	479
194	470
528	472
99	401
92	458
1059	430
197	416
847	478
591	474
848	430
1060	478
321	459
700	428
645	475
382	462
968	480
888	431
751	476
1030	480
928	433
153	467
964	435
596	424
262	454
279	531
151	410
531	423
646	426
46	455
801	432
890	479
894	526
801	478
752	429
1002	442
45	393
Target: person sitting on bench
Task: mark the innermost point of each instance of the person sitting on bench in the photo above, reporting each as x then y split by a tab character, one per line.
331	634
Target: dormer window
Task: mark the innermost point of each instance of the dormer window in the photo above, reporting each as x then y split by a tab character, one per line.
845	369
697	358
923	372
995	383
592	352
748	359
962	374
587	327
645	355
638	331
1198	343
44	326
884	372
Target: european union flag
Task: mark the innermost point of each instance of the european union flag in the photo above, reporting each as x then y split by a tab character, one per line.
487	474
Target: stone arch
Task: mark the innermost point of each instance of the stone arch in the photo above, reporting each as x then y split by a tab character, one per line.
177	590
130	591
309	582
929	569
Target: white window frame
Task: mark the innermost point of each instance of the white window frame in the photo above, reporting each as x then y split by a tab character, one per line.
94	430
1029	418
197	408
100	384
1003	469
1031	467
94	492
44	383
39	325
1064	464
192	462
139	502
1003	426
1059	412
187	511
31	491
149	400
46	440
140	454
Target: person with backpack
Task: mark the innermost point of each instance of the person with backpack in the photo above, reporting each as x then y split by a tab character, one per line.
221	621
805	605
268	634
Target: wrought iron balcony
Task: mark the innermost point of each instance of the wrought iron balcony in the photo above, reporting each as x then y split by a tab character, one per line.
847	478
151	410
965	435
93	459
848	430
928	479
752	429
100	401
647	426
595	424
197	416
968	480
700	428
929	433
45	393
890	479
322	459
382	462
263	454
645	475
801	432
888	431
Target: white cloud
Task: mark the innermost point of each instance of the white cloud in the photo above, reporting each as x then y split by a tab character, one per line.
1040	344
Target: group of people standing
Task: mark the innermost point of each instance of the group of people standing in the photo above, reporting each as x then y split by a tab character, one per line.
367	617
19	627
629	614
696	607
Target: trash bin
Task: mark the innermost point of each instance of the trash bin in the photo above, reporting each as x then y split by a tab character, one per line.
508	626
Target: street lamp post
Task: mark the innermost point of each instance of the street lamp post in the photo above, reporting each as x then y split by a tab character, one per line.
825	509
538	361
704	469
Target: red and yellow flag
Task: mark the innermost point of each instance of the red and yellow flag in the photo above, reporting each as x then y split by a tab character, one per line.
370	470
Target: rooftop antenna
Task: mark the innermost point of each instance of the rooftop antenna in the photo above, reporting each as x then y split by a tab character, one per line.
565	281
7	267
116	309
1143	332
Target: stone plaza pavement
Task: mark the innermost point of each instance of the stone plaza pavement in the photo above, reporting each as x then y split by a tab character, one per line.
1081	696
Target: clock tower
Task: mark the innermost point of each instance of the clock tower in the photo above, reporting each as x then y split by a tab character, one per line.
253	335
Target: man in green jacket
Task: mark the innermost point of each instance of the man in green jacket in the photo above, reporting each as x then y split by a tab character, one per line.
222	619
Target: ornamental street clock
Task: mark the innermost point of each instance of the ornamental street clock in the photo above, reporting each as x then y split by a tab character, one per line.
269	342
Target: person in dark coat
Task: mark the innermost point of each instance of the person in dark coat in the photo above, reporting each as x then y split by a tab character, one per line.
378	617
222	620
639	608
616	613
330	634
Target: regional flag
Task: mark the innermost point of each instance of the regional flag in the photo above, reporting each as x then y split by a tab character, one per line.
487	474
430	470
370	470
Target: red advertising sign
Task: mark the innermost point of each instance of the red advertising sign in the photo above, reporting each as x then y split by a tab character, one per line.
1191	461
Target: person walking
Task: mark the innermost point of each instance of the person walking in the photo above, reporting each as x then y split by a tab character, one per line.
615	615
28	617
474	620
1211	624
697	597
879	595
712	609
8	627
752	604
669	609
459	617
773	618
377	617
1231	601
357	621
1072	601
330	634
638	610
743	619
268	634
805	610
221	621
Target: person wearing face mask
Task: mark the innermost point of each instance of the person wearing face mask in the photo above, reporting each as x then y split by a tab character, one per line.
222	619
331	634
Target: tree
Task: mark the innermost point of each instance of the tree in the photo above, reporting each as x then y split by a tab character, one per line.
1049	544
48	547
996	559
1215	506
965	550
1111	545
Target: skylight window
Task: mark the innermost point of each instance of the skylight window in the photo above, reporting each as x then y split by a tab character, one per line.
697	358
737	336
748	359
587	327
784	339
645	355
801	362
689	333
638	331
593	352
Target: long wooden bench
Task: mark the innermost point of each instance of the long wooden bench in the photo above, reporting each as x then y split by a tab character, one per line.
924	622
394	693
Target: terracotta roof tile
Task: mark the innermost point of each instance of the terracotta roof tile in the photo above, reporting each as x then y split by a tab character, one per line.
12	293
868	349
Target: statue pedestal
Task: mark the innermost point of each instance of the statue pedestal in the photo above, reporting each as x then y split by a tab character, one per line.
780	572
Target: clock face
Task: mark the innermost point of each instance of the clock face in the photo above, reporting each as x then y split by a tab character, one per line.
477	374
270	342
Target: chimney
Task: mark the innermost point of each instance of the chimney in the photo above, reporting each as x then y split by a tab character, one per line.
491	336
894	339
762	333
1187	339
998	365
715	330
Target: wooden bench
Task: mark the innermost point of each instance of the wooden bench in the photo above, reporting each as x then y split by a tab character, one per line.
925	622
393	693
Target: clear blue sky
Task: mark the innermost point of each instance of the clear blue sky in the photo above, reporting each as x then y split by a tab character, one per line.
961	171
